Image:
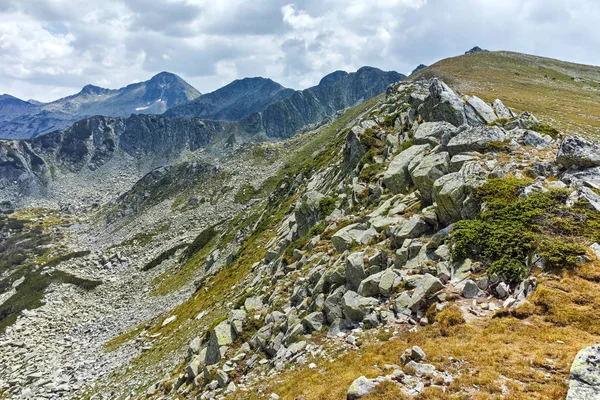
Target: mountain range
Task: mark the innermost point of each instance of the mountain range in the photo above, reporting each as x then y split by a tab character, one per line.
251	100
101	146
26	119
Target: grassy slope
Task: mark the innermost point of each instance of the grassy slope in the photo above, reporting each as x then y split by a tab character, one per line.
540	85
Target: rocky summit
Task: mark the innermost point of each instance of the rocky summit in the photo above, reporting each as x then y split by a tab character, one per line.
415	243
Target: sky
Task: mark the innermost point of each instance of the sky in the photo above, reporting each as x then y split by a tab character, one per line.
52	48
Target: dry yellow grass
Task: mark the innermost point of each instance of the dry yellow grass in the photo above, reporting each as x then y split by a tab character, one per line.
530	357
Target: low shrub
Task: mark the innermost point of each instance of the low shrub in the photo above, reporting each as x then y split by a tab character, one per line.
544	129
512	228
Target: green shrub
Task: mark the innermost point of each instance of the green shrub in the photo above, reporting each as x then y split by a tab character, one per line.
327	205
316	230
201	240
560	254
512	228
369	172
390	120
546	130
512	270
497	146
165	255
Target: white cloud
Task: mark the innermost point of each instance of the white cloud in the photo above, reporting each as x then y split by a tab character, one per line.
51	48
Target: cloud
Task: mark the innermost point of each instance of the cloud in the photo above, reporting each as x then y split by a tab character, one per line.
50	48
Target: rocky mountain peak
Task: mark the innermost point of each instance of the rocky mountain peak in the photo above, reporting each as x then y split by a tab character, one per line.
93	90
419	68
332	78
476	49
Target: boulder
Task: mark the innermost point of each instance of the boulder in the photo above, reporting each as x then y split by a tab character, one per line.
481	111
355	306
308	212
313	321
452	193
354	150
524	120
355	269
221	335
431	132
397	178
585	375
442	104
252	304
369	286
409	229
475	138
527	137
501	110
389	282
195	366
352	235
471	290
362	387
575	151
333	305
426	171
458	160
426	287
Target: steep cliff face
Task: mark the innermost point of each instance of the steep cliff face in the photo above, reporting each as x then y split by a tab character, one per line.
263	106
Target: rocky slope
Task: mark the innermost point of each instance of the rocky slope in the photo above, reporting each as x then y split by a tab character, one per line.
427	221
154	96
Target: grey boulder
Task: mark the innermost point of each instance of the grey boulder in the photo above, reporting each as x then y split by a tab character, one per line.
442	104
574	151
397	178
355	306
585	375
475	138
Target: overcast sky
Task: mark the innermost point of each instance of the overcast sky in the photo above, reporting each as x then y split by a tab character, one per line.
51	48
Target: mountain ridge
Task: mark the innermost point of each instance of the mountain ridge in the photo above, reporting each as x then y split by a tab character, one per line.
154	96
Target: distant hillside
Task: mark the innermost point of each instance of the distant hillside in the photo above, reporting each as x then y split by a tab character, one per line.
561	93
21	120
234	101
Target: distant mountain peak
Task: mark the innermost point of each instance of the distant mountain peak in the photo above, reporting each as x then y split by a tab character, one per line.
92	89
165	77
333	77
476	49
419	68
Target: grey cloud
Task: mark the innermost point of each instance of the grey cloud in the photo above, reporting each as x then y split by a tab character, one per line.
209	43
